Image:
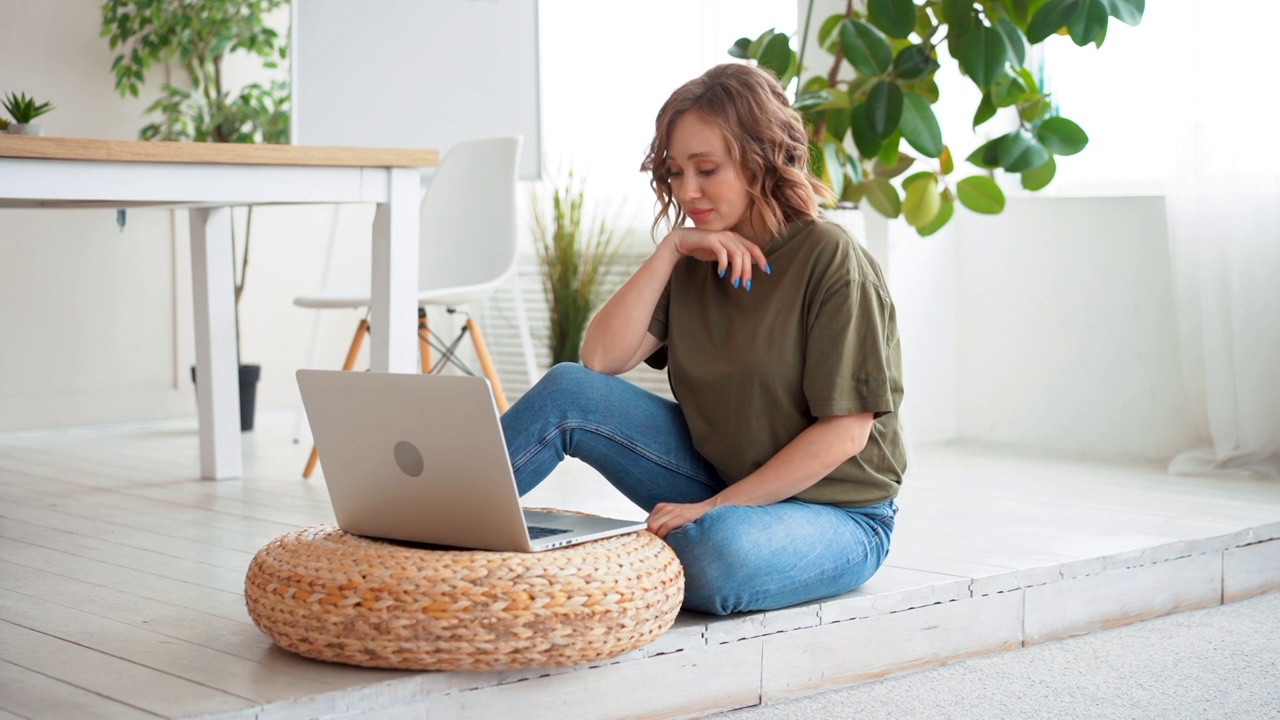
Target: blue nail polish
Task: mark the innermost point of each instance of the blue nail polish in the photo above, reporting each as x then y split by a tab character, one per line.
735	283
748	286
768	270
722	272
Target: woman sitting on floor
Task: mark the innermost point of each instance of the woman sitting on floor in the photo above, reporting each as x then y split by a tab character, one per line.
773	474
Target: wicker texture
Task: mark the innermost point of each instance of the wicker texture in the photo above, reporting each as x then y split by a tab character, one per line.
331	596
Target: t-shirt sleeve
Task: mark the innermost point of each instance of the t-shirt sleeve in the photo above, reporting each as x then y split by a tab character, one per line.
848	369
658	328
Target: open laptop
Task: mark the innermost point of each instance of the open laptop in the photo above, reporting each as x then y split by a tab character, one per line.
421	458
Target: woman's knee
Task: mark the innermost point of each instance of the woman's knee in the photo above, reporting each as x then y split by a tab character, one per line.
712	551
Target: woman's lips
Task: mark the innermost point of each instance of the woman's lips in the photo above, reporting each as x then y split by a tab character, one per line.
698	213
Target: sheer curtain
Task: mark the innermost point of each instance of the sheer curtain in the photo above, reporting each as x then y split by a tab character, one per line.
1224	222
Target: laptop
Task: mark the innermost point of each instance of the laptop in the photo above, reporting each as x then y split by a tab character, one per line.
421	458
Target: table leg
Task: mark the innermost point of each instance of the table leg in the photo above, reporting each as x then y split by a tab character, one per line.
217	380
393	345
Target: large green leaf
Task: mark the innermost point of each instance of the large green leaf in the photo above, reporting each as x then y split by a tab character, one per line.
983	55
836	99
837	123
958	14
883	196
897	18
922	201
814	100
777	55
892	171
1052	17
1090	24
868	144
987	156
1022	10
986	110
1061	136
1007	90
1128	12
946	209
1013	40
1038	178
865	47
981	194
889	154
914	61
884	108
1019	152
828	29
757	45
920	127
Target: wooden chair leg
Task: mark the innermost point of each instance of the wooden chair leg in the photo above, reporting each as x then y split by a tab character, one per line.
352	355
424	347
486	362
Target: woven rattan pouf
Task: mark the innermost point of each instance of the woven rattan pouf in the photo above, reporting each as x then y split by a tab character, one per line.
328	595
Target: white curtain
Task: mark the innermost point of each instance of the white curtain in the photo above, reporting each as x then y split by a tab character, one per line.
1224	222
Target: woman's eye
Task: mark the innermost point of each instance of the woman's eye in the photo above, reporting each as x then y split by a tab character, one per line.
675	173
707	173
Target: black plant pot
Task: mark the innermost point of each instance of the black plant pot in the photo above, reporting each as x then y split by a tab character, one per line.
249	375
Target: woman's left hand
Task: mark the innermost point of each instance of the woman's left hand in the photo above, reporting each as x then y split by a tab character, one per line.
669	516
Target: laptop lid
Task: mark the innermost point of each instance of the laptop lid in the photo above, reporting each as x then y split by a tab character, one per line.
419	458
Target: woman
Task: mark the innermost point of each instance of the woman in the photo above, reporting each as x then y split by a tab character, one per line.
773	475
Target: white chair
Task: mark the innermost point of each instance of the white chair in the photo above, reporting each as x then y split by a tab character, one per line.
469	250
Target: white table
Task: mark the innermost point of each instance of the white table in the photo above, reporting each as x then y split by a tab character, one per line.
208	178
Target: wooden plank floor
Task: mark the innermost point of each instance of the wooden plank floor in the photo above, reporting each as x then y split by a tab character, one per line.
121	581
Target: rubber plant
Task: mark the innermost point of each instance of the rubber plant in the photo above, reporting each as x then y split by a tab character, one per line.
857	125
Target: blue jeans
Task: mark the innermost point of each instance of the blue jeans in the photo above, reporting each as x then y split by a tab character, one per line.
735	558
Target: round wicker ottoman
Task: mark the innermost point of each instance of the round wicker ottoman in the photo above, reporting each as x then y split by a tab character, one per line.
328	595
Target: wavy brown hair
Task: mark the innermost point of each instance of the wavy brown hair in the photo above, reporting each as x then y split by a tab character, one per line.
766	140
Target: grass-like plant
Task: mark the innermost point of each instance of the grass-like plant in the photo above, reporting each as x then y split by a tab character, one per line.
575	255
24	109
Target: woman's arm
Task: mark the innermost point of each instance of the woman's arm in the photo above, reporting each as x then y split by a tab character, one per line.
801	463
618	339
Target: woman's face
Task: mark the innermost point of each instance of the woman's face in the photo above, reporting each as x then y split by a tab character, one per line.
705	180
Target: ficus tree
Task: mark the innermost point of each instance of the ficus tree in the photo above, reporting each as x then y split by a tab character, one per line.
858	124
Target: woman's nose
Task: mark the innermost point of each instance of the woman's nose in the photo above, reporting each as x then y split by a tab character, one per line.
688	190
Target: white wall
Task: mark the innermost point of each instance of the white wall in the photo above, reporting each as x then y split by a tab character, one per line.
1067	329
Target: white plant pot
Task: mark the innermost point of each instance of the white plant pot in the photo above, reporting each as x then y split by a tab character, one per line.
26	129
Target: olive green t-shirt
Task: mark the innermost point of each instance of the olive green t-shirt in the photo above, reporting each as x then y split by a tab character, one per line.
815	338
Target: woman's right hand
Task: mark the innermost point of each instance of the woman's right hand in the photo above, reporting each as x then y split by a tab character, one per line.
733	254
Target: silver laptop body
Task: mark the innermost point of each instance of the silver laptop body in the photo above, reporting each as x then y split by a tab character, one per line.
421	458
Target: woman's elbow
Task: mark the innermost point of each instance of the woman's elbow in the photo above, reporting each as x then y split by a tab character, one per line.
592	359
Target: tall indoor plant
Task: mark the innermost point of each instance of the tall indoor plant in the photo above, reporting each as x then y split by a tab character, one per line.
198	37
857	124
575	255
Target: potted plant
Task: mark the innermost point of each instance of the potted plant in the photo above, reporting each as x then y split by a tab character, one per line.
857	124
198	37
23	110
574	255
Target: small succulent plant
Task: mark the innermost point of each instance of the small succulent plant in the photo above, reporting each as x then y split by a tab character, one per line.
24	109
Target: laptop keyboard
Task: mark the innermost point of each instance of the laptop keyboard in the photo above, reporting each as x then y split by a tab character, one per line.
537	531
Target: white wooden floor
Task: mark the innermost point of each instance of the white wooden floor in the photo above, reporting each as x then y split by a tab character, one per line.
121	577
